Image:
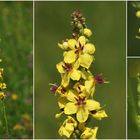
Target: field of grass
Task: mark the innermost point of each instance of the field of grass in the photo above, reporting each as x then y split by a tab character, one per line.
16	54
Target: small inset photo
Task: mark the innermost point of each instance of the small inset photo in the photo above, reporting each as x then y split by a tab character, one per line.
133	85
133	28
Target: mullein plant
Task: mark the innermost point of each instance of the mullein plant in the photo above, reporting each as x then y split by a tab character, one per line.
137	6
76	90
138	16
2	98
138	99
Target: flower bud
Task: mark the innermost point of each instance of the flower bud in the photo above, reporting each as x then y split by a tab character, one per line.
87	32
138	14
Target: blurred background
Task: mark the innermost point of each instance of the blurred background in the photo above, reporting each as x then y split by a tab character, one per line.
52	25
16	54
133	108
133	24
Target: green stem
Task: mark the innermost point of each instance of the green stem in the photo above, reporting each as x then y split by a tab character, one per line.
5	117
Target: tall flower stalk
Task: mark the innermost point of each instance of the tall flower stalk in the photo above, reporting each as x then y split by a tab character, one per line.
2	98
76	91
137	6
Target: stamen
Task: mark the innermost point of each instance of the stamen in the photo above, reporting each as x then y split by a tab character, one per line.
67	67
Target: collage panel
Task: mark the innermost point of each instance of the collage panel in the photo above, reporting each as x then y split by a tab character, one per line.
106	22
133	85
133	28
16	70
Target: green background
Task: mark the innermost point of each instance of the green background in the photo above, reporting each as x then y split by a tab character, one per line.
52	24
16	53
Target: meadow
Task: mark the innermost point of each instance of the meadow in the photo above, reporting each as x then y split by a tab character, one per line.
16	54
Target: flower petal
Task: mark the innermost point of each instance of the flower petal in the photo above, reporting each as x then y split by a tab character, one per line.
89	48
89	133
90	86
70	108
72	43
82	114
71	96
63	132
70	56
76	64
86	60
86	74
92	105
75	74
82	40
65	79
60	68
99	115
62	102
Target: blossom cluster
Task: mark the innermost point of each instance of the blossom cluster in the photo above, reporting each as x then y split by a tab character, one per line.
138	16
2	84
76	91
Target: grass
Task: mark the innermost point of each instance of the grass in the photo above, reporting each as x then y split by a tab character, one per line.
16	53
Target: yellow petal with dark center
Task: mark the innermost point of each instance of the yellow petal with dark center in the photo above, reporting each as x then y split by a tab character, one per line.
86	60
82	114
70	108
89	48
92	105
71	96
60	68
75	74
70	56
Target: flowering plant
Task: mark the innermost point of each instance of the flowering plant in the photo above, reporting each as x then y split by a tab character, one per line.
137	6
2	97
76	91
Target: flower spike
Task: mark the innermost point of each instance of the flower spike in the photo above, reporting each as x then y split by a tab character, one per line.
76	90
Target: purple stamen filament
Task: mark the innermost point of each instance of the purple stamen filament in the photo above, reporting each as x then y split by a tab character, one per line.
79	48
80	101
67	67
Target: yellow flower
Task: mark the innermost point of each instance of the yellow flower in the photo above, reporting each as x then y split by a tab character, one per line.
87	32
1	72
26	117
2	85
81	50
68	71
2	95
80	105
18	127
138	14
14	96
67	127
99	114
89	133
